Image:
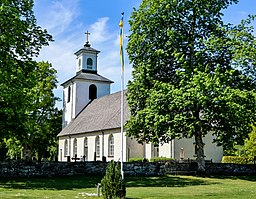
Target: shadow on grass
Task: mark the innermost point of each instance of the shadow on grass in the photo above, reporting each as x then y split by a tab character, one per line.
79	182
247	178
165	181
56	183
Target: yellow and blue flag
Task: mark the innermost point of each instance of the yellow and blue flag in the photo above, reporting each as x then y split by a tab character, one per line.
121	41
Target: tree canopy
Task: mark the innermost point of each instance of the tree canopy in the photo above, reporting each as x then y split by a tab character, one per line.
21	40
28	119
193	74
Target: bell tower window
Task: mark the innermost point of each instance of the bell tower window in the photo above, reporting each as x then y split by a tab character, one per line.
69	93
89	63
92	92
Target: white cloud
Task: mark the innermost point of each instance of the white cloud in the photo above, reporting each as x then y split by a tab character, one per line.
99	31
58	15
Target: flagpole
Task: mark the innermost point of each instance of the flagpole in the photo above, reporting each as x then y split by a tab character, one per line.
122	93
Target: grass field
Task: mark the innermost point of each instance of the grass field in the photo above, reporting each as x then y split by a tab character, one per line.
137	187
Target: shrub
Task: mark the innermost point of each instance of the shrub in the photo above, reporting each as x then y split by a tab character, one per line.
160	159
112	184
237	160
138	160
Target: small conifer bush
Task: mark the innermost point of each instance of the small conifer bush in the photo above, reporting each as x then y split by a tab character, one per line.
112	185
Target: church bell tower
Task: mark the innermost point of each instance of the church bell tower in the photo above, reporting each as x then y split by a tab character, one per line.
85	86
86	58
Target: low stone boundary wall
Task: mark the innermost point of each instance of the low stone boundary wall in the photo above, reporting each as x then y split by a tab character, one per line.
49	169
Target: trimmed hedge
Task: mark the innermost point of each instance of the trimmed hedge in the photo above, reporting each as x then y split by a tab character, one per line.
237	160
160	159
138	160
156	159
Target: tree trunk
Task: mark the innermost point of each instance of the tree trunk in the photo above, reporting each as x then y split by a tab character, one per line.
200	153
27	153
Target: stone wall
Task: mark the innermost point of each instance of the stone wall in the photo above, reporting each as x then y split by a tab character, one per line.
49	169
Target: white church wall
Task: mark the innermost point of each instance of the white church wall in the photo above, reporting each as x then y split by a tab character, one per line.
91	138
82	93
134	149
165	150
211	150
118	145
68	105
61	155
148	151
187	146
61	149
102	89
73	96
79	97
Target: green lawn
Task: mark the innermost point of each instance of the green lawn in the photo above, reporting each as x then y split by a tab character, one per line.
137	187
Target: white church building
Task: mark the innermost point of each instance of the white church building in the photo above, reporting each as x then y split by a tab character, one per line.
92	121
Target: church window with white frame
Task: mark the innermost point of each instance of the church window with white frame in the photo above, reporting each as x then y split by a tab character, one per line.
75	147
66	148
85	148
111	146
97	146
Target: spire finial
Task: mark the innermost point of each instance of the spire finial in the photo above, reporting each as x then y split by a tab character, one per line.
87	39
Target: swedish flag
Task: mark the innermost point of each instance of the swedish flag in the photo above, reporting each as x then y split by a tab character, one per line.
121	42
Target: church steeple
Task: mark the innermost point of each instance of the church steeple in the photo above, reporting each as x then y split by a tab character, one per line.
86	85
87	58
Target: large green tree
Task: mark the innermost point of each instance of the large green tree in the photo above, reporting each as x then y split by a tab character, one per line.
20	39
40	131
193	74
42	121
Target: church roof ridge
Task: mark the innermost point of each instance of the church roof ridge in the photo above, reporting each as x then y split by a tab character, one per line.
88	76
86	48
101	114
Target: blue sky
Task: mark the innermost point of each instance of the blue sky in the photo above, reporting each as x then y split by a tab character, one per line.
68	20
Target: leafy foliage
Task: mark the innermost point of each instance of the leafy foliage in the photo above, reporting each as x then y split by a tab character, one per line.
250	144
41	121
112	184
192	74
26	100
21	39
237	160
138	160
246	150
160	159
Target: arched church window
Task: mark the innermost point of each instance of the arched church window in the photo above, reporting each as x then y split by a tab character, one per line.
85	148
89	63
69	93
92	92
97	146
66	148
111	145
75	148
